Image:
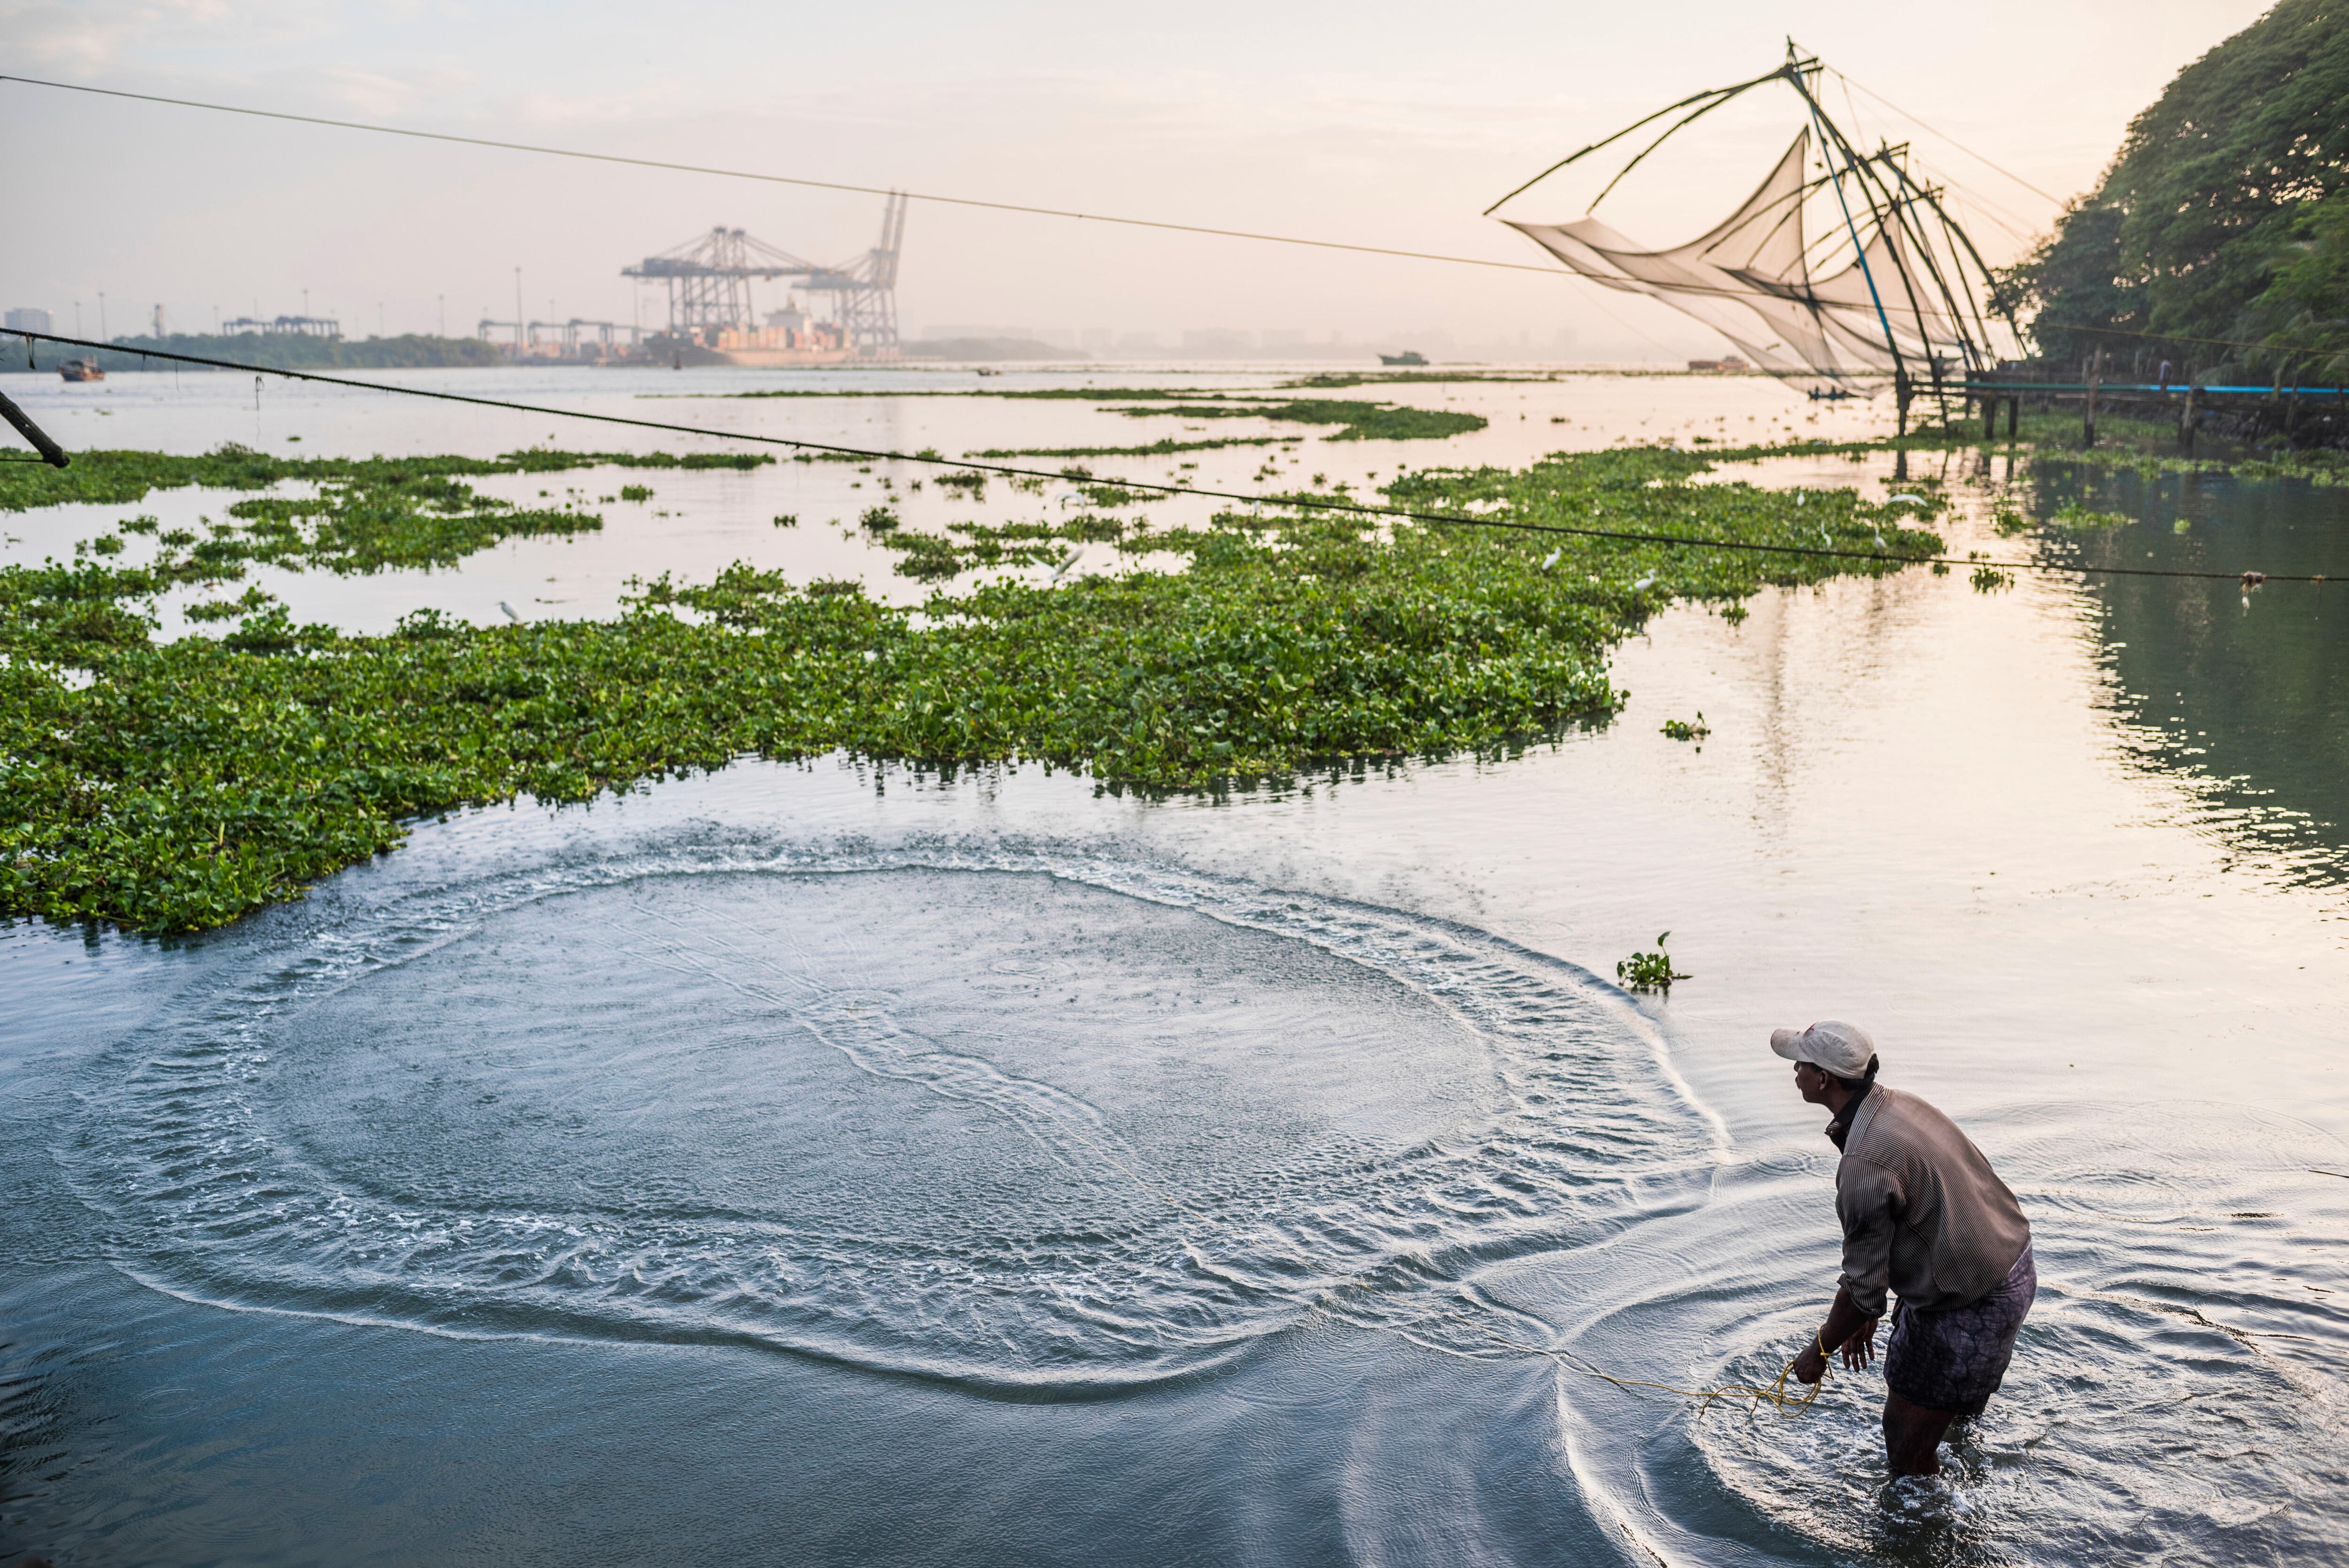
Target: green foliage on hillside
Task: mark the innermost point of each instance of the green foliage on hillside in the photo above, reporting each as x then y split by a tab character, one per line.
2218	239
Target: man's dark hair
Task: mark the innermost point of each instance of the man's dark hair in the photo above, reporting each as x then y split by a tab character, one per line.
1860	1082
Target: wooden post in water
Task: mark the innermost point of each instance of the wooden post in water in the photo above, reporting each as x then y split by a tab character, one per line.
2014	416
2186	422
1989	418
1901	402
2089	406
2291	414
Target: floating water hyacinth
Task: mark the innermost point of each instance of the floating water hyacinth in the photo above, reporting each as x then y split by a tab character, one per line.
1649	971
1683	729
179	785
2073	515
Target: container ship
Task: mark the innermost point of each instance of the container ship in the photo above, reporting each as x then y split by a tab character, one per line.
789	337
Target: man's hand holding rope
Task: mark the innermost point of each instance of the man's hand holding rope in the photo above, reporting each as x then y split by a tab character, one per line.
1846	1330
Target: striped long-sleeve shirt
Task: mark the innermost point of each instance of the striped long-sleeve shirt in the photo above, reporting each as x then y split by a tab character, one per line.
1922	1211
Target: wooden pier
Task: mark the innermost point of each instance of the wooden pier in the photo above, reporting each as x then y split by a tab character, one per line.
2280	407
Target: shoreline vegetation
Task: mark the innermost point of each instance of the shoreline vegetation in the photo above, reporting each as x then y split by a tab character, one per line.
175	786
2149	445
281	351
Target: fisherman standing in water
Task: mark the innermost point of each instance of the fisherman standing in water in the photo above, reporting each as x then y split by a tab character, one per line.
1923	1213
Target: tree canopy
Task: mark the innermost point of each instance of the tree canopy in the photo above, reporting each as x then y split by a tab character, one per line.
2218	239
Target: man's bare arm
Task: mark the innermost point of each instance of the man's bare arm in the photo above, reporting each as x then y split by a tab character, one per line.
1847	1329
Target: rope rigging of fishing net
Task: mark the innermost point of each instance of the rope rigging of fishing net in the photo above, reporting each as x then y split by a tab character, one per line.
1883	279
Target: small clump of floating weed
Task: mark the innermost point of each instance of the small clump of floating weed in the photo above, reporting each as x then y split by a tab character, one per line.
1683	729
1649	971
2073	515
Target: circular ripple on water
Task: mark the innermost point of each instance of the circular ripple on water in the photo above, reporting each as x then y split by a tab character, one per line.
1018	1119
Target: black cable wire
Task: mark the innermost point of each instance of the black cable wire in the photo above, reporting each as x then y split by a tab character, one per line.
1010	206
787	180
1953	142
1296	502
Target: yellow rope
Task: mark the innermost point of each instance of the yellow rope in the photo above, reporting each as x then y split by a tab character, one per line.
1775	1395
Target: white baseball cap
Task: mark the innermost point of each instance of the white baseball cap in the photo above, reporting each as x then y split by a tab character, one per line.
1843	1049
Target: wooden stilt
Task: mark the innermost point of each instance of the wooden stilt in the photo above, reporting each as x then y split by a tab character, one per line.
2088	408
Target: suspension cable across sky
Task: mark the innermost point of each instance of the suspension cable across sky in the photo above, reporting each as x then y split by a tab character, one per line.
805	182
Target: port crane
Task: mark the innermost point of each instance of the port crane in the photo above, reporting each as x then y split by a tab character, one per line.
709	279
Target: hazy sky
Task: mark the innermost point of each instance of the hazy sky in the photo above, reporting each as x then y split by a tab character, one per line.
1367	122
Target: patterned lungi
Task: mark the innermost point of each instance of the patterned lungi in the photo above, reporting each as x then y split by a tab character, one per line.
1955	1360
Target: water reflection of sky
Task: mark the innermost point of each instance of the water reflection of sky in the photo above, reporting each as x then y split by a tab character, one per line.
698	522
485	1121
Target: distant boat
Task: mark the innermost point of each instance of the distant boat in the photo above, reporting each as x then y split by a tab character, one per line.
1408	356
81	370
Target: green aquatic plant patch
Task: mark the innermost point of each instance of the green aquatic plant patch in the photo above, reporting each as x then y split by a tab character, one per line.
974	547
979	546
362	515
2081	519
1649	971
178	785
1361	420
1093	394
1337	378
125	478
1162	448
1687	729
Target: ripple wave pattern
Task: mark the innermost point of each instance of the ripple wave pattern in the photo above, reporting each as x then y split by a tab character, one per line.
1011	1118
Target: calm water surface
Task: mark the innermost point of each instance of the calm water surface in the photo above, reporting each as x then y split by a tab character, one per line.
827	1163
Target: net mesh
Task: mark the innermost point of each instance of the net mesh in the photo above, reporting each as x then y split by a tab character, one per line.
1749	278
